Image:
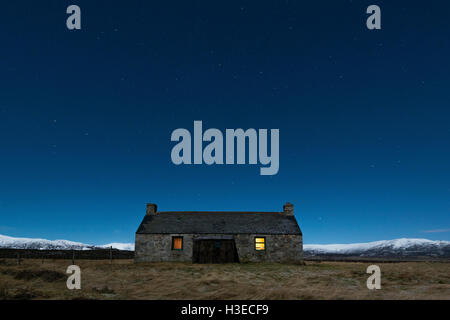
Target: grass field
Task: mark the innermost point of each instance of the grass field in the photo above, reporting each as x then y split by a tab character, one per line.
36	279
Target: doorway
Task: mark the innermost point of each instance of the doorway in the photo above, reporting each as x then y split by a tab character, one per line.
214	251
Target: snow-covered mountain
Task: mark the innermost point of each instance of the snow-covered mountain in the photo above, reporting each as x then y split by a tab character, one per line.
385	248
44	244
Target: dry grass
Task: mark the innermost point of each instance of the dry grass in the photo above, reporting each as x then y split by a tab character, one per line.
35	279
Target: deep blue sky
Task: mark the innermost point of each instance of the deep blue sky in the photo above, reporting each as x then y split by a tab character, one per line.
86	116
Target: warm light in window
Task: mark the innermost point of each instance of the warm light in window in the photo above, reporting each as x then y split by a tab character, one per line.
177	243
260	243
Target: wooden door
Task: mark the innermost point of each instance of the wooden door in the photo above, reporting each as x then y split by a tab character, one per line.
214	251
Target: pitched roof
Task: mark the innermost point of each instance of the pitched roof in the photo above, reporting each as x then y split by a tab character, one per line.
219	222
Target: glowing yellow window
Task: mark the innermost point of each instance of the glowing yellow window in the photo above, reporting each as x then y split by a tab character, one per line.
177	243
260	243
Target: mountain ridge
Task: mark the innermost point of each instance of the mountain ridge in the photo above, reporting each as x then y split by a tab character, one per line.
402	247
7	242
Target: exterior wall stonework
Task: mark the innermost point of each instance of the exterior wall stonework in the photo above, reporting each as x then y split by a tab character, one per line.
278	248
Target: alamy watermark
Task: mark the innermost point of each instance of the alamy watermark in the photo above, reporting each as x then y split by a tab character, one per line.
374	281
73	22
213	152
74	280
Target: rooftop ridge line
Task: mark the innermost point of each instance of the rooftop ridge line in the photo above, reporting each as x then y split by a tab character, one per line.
260	212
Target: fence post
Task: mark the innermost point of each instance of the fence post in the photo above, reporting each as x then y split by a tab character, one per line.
110	255
73	256
18	258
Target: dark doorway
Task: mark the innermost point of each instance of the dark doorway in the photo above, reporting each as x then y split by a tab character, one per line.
214	251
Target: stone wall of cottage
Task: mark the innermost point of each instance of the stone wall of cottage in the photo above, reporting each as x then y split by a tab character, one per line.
158	247
279	248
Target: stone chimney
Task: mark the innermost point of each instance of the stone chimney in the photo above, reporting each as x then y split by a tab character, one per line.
288	209
151	209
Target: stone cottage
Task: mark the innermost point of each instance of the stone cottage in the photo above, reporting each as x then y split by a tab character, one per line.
217	237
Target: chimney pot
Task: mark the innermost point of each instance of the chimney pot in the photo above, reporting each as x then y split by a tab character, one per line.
151	209
288	209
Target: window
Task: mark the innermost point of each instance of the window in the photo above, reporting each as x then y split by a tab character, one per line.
260	243
177	243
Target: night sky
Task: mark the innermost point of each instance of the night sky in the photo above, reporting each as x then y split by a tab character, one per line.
86	116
